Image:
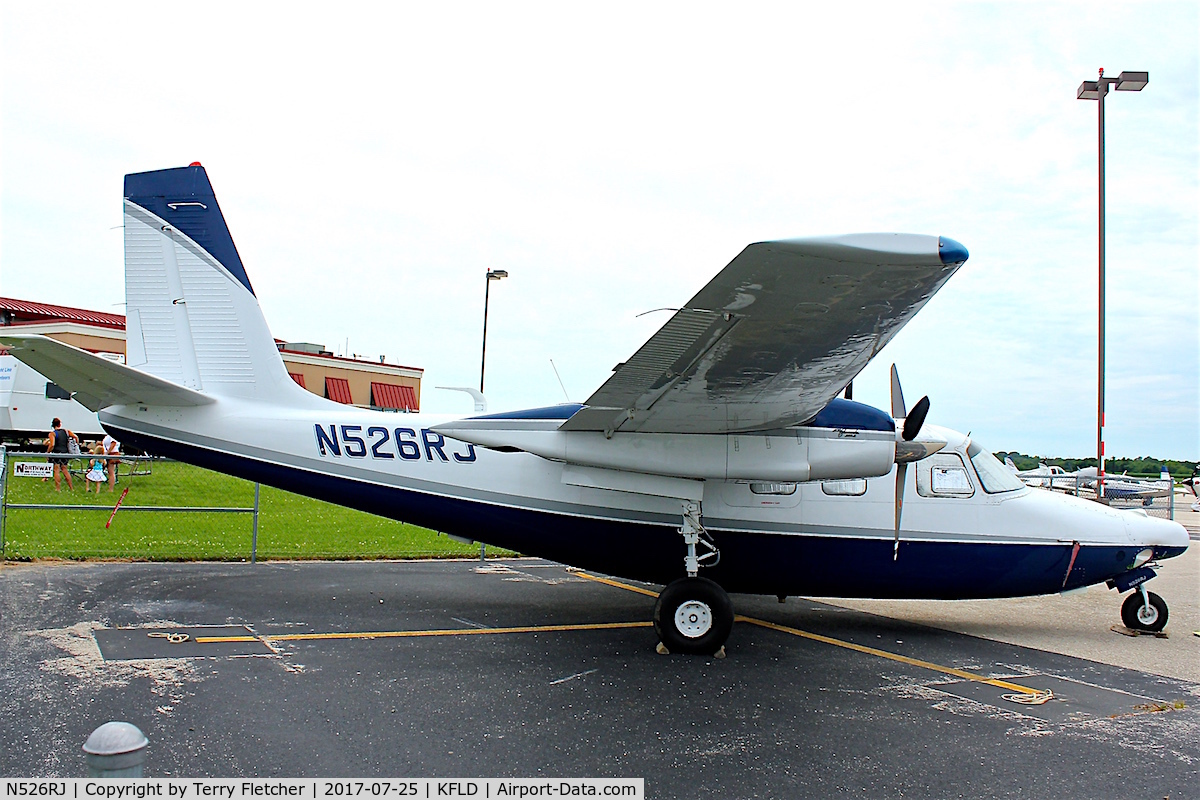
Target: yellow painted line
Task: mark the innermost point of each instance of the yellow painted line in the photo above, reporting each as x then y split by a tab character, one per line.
617	584
816	637
297	637
916	662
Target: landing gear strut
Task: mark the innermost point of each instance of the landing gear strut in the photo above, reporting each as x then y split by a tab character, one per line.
1144	611
694	614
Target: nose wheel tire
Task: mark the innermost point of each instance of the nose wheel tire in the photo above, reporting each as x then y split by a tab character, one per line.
693	615
1138	617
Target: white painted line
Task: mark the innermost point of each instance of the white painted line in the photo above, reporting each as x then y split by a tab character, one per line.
573	677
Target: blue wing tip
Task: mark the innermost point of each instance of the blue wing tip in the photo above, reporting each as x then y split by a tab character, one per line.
950	251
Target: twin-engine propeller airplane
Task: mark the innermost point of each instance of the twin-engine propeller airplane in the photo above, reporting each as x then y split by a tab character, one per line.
721	446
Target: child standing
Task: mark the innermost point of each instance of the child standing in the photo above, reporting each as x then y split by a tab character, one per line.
95	472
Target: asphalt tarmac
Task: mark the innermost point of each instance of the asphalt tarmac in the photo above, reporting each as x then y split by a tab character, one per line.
1077	624
526	669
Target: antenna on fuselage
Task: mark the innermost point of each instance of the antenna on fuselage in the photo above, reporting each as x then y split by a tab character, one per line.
560	381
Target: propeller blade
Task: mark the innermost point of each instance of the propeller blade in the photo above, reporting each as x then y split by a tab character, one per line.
898	411
915	419
901	474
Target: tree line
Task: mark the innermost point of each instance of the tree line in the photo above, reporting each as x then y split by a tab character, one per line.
1145	466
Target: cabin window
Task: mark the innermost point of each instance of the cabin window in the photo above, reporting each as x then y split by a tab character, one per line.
855	487
56	392
773	488
943	475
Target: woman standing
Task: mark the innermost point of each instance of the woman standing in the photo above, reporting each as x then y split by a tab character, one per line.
58	444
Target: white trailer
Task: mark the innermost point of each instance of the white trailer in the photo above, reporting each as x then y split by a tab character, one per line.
29	403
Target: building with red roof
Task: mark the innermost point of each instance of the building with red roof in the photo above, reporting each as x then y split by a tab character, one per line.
354	381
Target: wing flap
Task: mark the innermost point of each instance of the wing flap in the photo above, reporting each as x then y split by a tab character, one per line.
96	382
689	334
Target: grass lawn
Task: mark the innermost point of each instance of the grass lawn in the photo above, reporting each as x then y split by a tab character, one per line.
289	526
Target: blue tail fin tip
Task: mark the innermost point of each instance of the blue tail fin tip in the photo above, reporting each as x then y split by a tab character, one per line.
184	197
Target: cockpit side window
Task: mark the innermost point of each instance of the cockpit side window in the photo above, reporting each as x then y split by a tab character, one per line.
943	475
994	476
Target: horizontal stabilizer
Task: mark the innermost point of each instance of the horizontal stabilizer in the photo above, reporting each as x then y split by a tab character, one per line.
96	382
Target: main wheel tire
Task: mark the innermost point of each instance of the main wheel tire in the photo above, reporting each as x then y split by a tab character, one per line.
693	615
1137	617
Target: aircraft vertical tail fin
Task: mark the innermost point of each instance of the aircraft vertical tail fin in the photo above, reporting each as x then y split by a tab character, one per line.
191	314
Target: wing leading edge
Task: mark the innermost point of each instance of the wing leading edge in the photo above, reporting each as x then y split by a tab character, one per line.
775	336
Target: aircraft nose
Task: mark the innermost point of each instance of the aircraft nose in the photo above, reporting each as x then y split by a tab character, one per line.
1166	537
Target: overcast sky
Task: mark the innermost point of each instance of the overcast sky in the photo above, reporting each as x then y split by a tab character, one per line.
373	161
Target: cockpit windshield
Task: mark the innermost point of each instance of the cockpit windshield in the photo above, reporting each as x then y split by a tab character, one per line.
994	476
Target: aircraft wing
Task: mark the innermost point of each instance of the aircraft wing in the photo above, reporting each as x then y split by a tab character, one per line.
775	336
93	381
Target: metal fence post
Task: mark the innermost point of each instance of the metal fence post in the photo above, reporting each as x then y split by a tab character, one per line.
1165	476
254	534
3	494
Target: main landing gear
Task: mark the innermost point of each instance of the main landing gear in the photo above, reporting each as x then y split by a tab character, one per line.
693	614
1144	611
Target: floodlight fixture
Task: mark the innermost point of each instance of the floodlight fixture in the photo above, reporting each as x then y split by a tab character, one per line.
1132	81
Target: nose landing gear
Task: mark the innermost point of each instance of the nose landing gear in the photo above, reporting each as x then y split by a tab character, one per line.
693	614
1144	611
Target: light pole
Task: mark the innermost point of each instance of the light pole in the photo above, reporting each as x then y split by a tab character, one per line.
492	275
1096	90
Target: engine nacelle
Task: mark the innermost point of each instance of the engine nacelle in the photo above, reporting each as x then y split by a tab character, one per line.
792	456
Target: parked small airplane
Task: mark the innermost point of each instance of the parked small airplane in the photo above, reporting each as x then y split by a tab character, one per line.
1043	476
720	446
1116	487
1125	487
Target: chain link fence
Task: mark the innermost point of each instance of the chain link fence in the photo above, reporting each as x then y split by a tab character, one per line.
1155	497
161	510
1163	507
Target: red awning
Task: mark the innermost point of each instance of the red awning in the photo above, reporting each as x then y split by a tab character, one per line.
390	395
298	378
28	311
338	390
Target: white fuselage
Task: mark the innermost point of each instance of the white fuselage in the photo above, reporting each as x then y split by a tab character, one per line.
369	451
